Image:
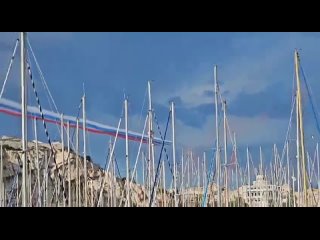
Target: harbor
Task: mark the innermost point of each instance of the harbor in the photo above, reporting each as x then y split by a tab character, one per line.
50	158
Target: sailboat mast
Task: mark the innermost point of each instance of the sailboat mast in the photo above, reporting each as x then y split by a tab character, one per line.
225	152
23	36
84	150
127	151
318	165
77	166
293	191
249	186
301	130
143	177
62	156
236	162
204	171
174	154
298	150
288	167
164	185
217	135
182	178
1	176
261	169
150	138
38	164
69	166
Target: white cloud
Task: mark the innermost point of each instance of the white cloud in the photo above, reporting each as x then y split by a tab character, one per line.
249	131
193	96
256	63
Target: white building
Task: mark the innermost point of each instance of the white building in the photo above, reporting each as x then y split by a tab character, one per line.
262	194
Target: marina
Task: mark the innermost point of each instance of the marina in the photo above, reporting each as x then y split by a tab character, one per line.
50	163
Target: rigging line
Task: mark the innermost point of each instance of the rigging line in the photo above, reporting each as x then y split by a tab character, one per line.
144	100
165	149
288	130
227	120
293	104
209	180
45	128
43	80
116	162
253	168
78	114
72	138
138	154
313	105
110	155
212	172
9	68
109	161
229	132
309	91
41	75
29	62
159	161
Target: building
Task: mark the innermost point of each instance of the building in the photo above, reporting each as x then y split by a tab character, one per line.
263	194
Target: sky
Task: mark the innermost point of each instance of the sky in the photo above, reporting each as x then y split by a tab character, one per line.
255	72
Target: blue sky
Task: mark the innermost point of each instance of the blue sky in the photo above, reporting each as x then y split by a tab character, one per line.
255	71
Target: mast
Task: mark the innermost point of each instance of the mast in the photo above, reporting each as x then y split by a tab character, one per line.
192	177
298	150
37	162
288	167
17	191
318	165
293	180
198	168
62	152
69	166
182	178
204	176
188	169
127	151
91	185
249	186
301	130
77	166
217	135
24	100
150	137
1	176
29	184
174	153
143	177
261	173
261	169
164	184
237	178
225	152
113	176
46	176
84	150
